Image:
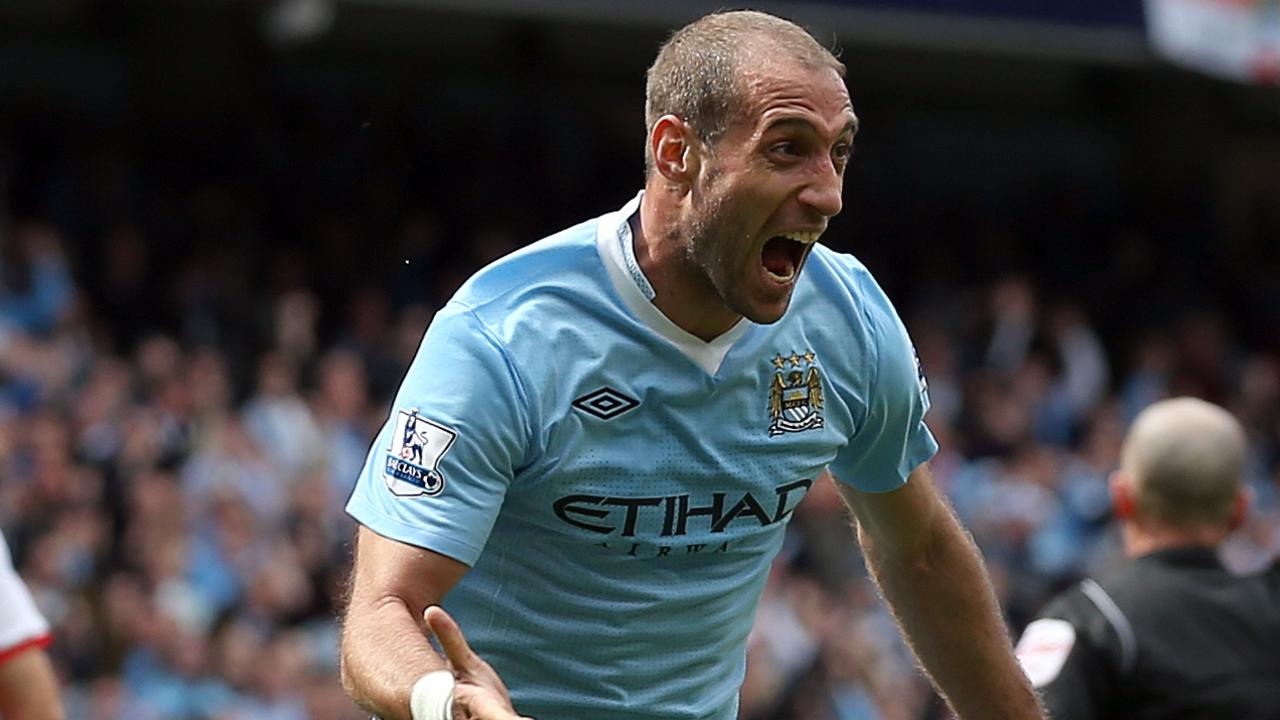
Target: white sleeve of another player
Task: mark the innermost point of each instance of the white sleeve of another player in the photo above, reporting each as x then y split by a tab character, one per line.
20	621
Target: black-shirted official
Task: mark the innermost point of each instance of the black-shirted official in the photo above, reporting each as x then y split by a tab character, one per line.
1171	634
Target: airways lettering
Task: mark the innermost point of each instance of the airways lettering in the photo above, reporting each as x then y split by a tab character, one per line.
589	512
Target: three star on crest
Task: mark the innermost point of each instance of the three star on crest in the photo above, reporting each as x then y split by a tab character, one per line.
794	359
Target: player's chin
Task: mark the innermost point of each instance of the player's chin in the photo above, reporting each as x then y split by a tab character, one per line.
766	309
768	296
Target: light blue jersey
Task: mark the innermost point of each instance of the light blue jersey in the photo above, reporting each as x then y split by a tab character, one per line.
618	486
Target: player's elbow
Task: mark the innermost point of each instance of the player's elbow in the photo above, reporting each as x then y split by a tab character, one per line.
350	677
353	661
344	674
347	666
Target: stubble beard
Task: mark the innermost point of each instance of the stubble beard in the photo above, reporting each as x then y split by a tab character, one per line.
707	250
714	253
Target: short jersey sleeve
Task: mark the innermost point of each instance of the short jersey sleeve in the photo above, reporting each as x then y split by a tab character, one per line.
21	624
892	439
438	471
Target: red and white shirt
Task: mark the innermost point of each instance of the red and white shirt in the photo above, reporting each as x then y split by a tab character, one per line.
22	627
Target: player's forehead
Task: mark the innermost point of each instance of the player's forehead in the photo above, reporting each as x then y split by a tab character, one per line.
786	93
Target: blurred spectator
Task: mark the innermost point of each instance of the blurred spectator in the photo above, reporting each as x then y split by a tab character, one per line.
35	284
280	421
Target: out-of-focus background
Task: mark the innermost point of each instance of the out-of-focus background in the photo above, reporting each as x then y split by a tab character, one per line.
224	226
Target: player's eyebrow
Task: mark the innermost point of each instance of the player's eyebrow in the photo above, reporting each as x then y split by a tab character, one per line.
798	123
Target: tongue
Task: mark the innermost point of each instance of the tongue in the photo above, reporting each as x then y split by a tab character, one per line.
776	257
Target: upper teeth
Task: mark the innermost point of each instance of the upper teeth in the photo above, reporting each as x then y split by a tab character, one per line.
806	238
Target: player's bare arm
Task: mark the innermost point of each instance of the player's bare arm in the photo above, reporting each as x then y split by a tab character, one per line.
28	688
393	607
933	579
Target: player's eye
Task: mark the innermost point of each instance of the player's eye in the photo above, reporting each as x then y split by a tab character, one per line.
786	149
840	155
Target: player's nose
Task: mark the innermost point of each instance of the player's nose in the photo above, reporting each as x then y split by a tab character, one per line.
823	192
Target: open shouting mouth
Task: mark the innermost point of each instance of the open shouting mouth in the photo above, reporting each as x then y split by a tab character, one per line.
783	254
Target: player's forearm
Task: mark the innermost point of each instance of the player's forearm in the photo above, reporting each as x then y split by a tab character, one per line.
942	599
384	652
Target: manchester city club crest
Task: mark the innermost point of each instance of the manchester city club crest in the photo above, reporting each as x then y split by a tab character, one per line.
795	395
413	460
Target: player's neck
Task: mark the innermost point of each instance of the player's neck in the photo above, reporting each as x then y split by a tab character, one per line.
1140	540
686	297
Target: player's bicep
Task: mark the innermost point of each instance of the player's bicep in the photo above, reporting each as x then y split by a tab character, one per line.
388	570
900	521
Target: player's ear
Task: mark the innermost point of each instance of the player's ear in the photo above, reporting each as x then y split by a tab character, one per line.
1123	504
1240	508
674	147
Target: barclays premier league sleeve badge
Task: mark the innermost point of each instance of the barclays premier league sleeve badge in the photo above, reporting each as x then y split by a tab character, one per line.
413	460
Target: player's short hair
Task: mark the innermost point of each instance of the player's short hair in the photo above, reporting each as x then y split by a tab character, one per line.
696	74
1187	461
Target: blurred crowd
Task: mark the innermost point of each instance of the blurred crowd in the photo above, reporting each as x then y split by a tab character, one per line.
190	376
183	533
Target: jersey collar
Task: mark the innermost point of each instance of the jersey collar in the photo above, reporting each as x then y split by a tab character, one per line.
617	249
1185	556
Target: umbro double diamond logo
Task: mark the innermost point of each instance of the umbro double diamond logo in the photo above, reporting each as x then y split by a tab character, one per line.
605	403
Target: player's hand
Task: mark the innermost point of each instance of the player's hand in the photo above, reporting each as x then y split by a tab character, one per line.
478	692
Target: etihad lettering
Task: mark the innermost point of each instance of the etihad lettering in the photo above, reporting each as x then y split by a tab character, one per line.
675	515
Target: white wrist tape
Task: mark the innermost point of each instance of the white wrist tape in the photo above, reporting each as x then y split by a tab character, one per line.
432	696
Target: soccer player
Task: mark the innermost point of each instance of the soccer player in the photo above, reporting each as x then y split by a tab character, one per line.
28	687
618	421
1171	633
